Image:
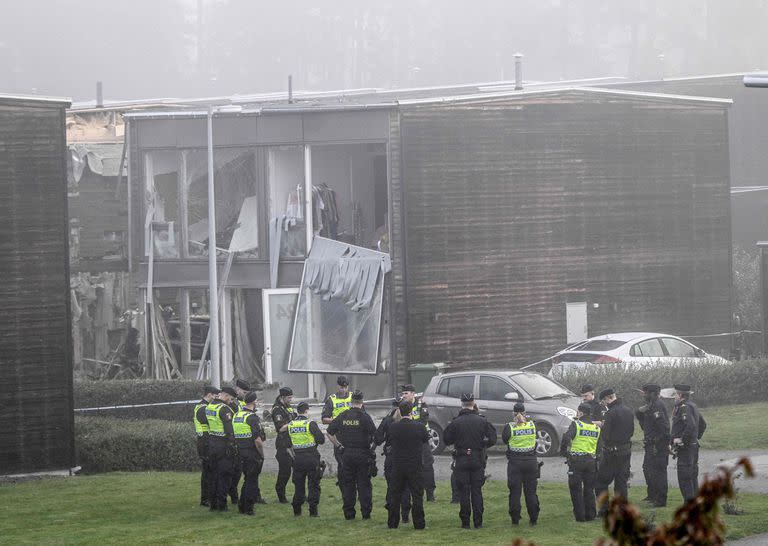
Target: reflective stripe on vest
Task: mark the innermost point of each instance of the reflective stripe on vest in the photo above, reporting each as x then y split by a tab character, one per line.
213	415
340	405
585	441
240	427
301	437
200	428
522	438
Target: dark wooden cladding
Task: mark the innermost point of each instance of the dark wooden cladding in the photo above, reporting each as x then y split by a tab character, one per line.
514	208
35	346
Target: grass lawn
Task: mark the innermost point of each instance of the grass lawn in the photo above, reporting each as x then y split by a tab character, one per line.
161	508
743	426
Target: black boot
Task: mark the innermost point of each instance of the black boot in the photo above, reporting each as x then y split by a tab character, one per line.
297	510
313	512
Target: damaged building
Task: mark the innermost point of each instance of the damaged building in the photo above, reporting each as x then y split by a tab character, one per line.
367	232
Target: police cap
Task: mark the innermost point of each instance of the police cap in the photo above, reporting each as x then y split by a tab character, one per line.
651	387
467	397
241	384
342	381
251	397
286	391
519	407
681	387
357	396
230	391
210	389
585	409
606	392
408	388
302	407
587	388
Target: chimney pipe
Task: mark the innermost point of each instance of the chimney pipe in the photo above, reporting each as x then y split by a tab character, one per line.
99	95
518	71
662	66
290	89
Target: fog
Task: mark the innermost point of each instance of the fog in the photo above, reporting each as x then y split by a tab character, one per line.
184	48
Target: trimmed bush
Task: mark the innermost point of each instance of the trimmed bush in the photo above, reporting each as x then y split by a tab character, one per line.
118	392
105	444
713	384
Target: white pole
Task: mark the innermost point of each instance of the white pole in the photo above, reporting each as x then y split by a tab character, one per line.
213	290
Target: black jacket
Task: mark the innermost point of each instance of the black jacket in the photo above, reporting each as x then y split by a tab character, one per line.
687	423
470	431
407	438
353	428
282	415
618	426
654	422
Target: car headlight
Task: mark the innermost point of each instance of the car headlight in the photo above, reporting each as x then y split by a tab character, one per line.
566	412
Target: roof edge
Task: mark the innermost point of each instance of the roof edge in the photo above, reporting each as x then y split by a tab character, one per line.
36	98
484	97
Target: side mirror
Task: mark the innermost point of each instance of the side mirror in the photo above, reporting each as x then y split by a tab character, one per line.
511	396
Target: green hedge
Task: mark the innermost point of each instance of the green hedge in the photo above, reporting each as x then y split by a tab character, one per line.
118	392
713	384
106	444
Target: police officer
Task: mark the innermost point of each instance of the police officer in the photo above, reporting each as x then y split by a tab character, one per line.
471	435
334	405
304	437
282	414
221	449
382	437
201	429
352	433
588	397
249	437
421	414
654	422
688	427
522	465
241	389
616	446
407	438
579	445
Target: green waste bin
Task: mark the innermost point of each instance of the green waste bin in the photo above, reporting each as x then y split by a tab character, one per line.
421	374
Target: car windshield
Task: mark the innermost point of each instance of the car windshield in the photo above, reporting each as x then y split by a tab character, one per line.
539	386
601	345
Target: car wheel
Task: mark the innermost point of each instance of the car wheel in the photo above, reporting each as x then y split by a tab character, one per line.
436	443
546	440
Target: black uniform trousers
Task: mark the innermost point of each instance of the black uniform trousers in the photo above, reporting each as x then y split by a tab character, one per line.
688	470
357	481
405	497
306	479
614	467
404	477
522	476
251	463
339	468
582	471
655	461
221	457
428	469
284	464
205	474
469	474
237	470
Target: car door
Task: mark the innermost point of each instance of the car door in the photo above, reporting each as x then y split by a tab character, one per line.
446	403
678	351
490	399
648	352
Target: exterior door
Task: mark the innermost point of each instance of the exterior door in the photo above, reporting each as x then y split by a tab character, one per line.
279	307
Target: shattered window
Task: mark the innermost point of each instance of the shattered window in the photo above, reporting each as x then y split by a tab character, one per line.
287	227
162	182
338	321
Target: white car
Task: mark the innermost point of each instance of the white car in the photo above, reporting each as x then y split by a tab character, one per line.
629	348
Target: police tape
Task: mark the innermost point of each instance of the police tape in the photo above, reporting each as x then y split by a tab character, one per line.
180	402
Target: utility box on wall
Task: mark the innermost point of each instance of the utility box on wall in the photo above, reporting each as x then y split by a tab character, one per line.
576	321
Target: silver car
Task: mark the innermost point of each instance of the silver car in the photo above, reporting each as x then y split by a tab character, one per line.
551	405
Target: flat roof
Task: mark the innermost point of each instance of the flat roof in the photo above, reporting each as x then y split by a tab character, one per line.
35	98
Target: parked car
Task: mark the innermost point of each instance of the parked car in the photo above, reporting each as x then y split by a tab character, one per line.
551	405
629	348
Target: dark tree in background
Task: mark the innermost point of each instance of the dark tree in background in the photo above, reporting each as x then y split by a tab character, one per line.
150	48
